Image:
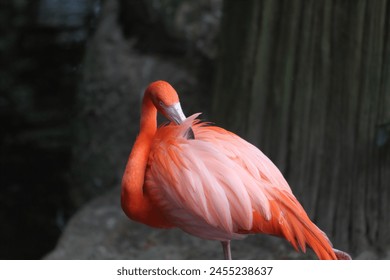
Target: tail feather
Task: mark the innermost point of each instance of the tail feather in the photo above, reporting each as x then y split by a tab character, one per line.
289	220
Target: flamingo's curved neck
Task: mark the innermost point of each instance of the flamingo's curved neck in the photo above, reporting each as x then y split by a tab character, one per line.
132	197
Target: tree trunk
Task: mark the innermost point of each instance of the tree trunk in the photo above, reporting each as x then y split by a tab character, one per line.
308	82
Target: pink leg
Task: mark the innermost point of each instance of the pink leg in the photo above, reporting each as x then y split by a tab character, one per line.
226	250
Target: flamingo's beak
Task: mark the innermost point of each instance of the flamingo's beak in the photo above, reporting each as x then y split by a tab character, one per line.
174	113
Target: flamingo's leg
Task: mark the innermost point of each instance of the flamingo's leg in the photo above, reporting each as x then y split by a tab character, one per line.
226	250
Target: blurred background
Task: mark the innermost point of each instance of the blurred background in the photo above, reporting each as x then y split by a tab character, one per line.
308	82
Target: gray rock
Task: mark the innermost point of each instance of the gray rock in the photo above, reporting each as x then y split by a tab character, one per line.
185	26
367	255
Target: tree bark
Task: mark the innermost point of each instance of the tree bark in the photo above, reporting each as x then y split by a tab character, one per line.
308	82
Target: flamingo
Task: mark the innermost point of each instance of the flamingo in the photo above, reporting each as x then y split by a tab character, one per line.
209	182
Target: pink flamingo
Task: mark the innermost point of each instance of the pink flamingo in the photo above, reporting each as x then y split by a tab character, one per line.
209	182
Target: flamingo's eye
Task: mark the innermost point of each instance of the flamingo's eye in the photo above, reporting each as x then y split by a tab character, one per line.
161	103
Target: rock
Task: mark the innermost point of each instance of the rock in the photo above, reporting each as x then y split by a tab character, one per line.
387	255
184	26
100	230
367	255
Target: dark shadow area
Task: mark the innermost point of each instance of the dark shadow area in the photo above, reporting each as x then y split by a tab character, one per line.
42	46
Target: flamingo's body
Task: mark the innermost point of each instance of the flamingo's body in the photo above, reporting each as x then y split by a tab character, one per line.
209	182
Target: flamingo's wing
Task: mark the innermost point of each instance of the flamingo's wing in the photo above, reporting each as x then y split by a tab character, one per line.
217	177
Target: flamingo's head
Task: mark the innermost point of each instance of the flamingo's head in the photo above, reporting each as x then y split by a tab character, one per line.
166	100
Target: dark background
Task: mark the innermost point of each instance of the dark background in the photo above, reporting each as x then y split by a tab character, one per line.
42	45
306	81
